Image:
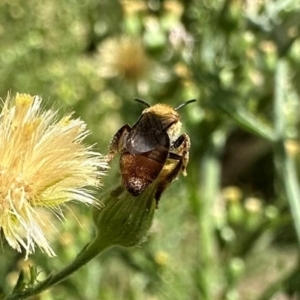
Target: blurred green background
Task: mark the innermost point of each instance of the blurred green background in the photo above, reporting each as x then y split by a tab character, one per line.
231	228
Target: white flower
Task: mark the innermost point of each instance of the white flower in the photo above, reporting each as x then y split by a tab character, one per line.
43	163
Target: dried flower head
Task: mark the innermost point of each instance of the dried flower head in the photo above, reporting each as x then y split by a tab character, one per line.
43	163
124	57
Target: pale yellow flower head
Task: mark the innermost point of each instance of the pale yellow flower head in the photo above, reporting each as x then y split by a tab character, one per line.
123	57
43	163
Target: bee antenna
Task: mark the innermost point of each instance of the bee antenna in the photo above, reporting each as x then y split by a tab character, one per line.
184	104
142	101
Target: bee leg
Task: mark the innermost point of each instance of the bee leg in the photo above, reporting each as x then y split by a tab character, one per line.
118	142
177	143
168	178
182	146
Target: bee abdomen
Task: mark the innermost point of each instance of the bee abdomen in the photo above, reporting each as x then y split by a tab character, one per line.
135	185
138	172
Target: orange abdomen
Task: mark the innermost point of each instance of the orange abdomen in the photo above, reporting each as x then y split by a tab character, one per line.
138	171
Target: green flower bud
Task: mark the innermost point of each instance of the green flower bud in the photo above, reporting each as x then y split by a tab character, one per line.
125	219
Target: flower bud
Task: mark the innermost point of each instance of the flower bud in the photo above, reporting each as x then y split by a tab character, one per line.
125	219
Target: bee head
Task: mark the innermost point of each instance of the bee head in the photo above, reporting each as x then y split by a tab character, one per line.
164	112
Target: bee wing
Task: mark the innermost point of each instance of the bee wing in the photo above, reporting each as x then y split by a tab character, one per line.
144	142
147	134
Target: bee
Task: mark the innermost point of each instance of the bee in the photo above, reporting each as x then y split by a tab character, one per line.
153	149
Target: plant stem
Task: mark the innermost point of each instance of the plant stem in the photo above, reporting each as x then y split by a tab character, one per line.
89	252
286	169
209	187
284	162
248	121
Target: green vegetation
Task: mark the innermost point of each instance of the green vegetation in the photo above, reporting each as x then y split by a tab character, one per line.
231	228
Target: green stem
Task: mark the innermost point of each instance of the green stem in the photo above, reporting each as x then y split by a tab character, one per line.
286	169
285	164
293	192
89	252
248	121
279	99
209	187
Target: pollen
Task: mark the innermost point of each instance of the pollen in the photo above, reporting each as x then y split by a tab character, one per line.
43	164
23	100
65	121
30	127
